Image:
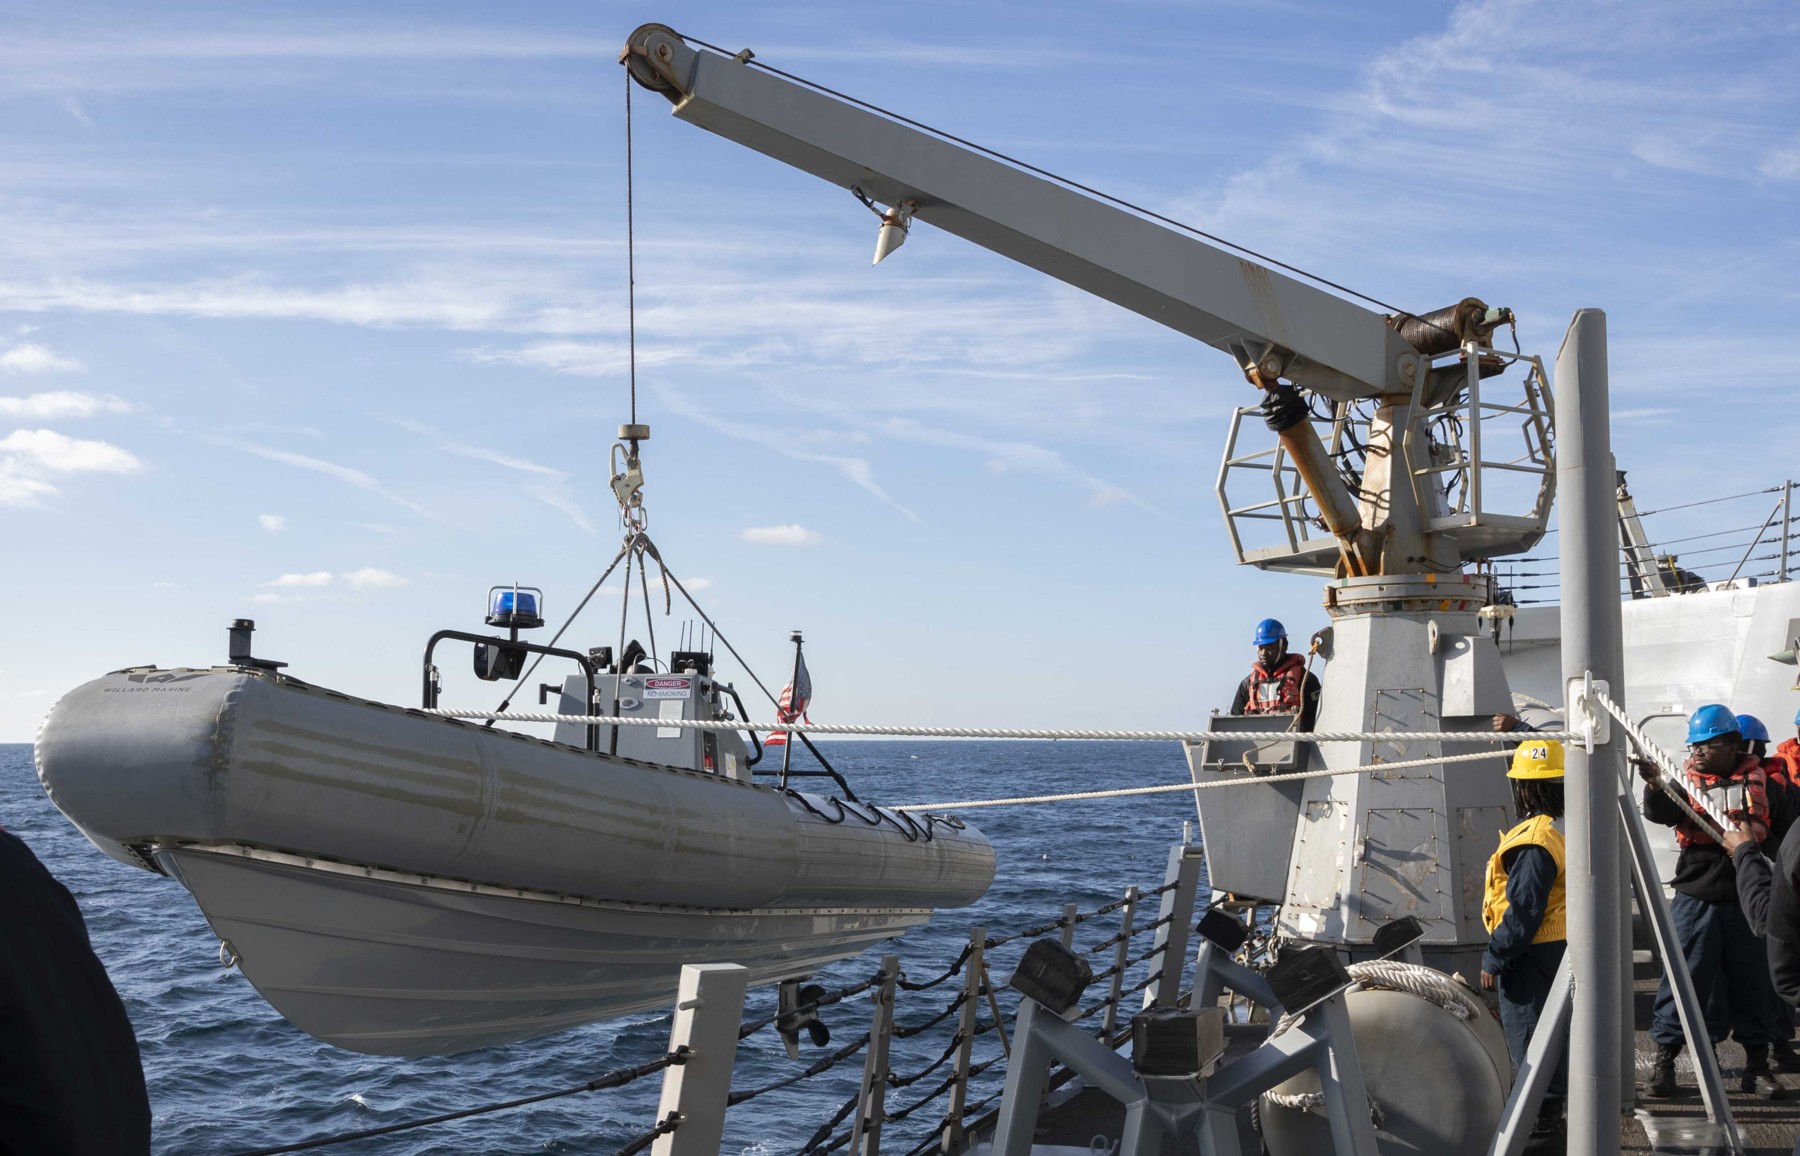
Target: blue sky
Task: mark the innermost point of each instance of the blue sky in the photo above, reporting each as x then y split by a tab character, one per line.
316	314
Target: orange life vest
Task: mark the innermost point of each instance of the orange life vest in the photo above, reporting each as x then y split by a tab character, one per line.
1277	691
1743	794
1783	764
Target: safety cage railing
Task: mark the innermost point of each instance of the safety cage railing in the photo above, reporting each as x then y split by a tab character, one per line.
1487	481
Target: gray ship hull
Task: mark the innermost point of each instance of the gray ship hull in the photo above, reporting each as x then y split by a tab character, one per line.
403	884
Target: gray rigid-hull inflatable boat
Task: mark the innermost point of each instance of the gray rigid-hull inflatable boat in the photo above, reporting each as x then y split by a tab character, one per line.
400	883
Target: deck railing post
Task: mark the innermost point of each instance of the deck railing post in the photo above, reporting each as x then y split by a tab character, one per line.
1070	911
709	1007
973	968
1787	527
1176	913
1591	648
871	1106
1120	957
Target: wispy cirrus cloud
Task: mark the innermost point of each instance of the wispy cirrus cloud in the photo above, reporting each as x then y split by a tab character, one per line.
349	475
306	579
1022	457
549	485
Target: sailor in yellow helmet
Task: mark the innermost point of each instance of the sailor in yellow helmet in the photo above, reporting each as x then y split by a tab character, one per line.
1525	912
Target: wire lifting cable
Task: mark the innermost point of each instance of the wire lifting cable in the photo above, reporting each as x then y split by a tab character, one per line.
630	258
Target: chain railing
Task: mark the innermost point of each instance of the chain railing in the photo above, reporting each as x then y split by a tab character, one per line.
954	1049
1761	549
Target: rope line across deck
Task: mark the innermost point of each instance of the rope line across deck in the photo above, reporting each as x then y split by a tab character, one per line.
1008	732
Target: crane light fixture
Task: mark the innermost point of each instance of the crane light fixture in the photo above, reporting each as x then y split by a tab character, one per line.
894	226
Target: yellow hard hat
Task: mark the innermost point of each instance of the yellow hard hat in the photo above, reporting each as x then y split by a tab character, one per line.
1538	759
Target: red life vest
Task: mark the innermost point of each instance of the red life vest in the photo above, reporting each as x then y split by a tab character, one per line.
1277	691
1783	770
1783	764
1742	794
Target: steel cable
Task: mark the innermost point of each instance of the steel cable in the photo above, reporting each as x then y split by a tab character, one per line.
668	1124
612	1079
823	1001
902	1031
823	1064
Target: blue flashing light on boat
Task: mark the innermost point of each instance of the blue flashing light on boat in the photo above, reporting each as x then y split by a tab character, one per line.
517	607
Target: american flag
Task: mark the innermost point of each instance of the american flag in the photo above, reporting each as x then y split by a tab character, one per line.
796	696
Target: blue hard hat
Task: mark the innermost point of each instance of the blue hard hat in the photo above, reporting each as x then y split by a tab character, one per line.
1752	728
1711	722
1797	718
1269	630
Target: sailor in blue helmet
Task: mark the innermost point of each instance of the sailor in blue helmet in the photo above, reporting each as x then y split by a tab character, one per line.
1278	682
1728	963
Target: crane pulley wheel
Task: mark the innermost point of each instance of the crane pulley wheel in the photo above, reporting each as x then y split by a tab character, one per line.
636	57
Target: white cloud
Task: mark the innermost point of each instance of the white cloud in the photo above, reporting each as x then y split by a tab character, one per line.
369	577
788	534
30	357
1781	164
314	578
19	489
61	403
272	522
440	304
48	450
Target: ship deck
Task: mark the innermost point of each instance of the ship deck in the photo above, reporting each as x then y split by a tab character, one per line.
1677	1126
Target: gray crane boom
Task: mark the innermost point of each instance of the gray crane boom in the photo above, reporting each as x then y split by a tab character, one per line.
1267	321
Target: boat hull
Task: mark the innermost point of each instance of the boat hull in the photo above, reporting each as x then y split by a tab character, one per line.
376	963
400	883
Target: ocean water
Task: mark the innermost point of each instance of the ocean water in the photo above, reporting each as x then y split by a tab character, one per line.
227	1075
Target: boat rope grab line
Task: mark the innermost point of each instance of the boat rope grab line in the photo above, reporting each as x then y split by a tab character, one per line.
1503	737
1171	788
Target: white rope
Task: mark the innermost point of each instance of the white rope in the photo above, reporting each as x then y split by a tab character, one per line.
1670	775
1014	732
1388	975
1127	792
1526	700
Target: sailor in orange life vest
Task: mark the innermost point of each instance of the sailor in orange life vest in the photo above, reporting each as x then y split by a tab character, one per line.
1279	682
1783	771
1721	947
1525	912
